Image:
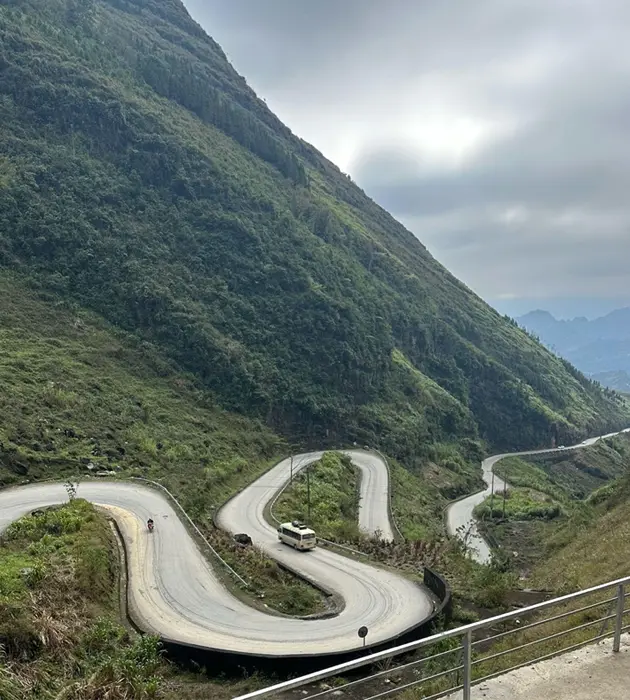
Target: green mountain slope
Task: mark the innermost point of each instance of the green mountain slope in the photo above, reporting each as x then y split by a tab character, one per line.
141	178
76	395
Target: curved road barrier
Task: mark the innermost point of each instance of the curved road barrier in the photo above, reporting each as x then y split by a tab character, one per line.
174	593
460	520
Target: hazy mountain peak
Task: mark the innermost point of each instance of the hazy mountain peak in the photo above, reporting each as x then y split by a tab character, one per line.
600	347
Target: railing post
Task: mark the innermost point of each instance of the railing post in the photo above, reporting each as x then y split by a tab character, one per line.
619	617
466	643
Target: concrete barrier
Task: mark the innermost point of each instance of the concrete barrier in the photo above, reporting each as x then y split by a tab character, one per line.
219	661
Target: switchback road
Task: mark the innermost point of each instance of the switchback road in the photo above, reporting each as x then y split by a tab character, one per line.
174	592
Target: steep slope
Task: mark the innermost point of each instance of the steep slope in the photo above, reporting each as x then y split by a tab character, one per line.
141	178
75	394
593	544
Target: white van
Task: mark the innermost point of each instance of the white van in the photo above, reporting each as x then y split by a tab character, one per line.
297	535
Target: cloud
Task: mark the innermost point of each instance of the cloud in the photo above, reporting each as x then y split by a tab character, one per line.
495	131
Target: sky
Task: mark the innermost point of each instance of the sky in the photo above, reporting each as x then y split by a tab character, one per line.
496	131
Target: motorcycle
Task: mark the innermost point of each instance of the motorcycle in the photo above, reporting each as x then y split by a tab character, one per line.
150	525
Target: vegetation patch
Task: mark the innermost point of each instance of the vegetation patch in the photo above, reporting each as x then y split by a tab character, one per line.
331	485
78	396
59	632
592	546
421	493
519	504
270	587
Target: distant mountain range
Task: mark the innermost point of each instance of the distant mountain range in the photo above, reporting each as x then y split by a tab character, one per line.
600	348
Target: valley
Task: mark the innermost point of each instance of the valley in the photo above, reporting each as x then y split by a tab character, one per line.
193	296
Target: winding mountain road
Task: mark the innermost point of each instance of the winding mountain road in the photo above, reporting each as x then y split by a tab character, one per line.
460	520
174	592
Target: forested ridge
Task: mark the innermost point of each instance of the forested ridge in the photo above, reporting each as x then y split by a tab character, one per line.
141	178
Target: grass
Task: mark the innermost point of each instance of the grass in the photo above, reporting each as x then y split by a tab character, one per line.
528	474
592	547
519	504
60	632
74	391
420	495
417	504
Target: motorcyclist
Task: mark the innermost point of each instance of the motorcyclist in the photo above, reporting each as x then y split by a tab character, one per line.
150	523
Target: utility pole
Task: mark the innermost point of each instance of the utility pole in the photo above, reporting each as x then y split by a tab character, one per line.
504	496
308	493
492	498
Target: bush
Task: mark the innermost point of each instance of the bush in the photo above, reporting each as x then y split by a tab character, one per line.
520	504
493	585
104	637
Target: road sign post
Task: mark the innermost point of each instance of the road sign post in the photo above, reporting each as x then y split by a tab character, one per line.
363	631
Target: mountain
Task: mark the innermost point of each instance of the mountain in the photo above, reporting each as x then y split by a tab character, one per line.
600	348
618	380
143	181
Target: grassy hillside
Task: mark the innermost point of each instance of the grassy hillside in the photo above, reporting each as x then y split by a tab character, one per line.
593	547
78	396
142	179
59	629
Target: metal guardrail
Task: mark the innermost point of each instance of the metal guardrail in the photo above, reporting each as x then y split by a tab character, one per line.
438	670
345	548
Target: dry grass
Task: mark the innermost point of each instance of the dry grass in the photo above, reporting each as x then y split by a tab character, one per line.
58	629
596	553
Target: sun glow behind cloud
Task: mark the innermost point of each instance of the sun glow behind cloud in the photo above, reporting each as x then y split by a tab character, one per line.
497	132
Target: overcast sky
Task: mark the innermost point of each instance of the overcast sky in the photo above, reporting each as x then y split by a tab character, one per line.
498	131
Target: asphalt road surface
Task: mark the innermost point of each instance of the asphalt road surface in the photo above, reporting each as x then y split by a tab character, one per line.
245	510
174	592
459	515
